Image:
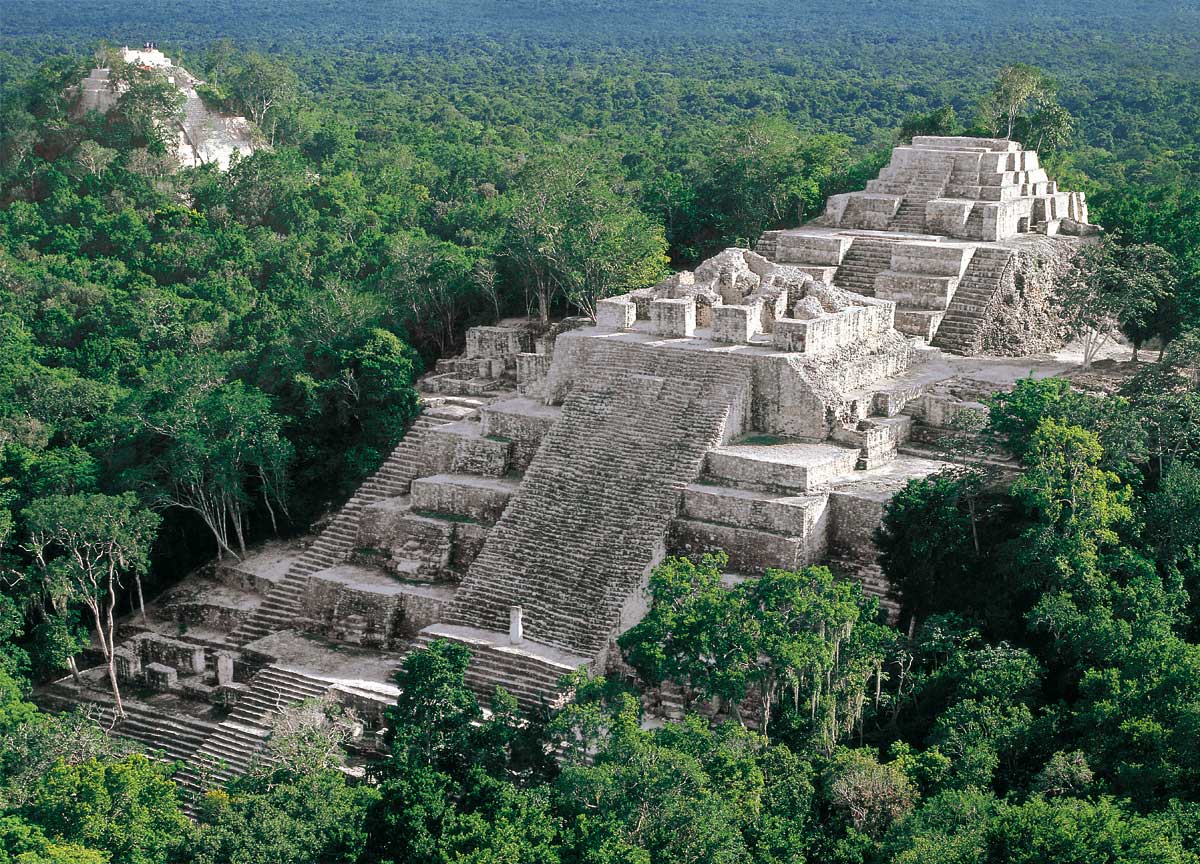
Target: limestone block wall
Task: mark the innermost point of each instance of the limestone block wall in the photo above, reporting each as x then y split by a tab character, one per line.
186	657
522	422
367	614
853	520
466	497
412	545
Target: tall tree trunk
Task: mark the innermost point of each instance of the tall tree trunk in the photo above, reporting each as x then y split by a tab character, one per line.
137	581
116	690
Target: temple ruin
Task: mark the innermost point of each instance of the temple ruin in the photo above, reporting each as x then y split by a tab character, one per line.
200	135
766	405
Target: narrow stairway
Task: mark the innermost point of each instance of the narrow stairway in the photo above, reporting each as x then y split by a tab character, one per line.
910	218
864	260
233	745
961	327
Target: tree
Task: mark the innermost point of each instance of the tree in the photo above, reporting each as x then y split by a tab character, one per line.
641	794
1073	831
25	843
127	808
793	637
1015	416
432	721
261	86
218	443
84	544
867	794
1016	86
942	121
1110	287
1166	402
306	818
573	230
149	108
927	542
306	739
1051	127
610	247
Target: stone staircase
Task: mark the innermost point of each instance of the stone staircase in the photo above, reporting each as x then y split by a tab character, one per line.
196	122
960	329
531	673
232	746
865	259
171	736
768	244
591	514
910	218
281	607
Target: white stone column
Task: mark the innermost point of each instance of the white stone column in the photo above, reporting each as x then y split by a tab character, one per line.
516	633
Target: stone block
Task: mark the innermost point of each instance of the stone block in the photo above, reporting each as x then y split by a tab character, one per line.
187	657
735	324
916	290
499	343
948	216
225	668
788	469
936	259
789	515
479	455
922	323
531	373
673	318
821	249
161	677
128	664
951	142
791	334
948	412
480	499
821	274
522	421
750	551
615	313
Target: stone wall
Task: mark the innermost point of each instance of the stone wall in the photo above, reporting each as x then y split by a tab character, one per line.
1024	318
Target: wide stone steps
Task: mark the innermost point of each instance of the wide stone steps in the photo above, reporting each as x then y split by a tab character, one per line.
596	501
175	737
231	747
283	605
524	671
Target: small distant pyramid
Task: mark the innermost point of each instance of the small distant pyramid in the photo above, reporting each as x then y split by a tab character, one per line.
203	136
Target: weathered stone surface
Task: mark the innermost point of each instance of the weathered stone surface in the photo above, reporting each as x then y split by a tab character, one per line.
674	318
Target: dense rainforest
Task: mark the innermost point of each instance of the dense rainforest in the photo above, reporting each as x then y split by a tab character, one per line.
192	361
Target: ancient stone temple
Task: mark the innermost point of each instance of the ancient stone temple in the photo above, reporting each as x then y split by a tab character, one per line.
766	405
954	231
201	135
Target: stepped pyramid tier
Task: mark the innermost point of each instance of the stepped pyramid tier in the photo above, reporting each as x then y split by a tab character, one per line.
767	405
965	235
200	135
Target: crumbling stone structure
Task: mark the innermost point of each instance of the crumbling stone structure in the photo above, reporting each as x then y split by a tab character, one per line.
951	231
200	135
766	405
